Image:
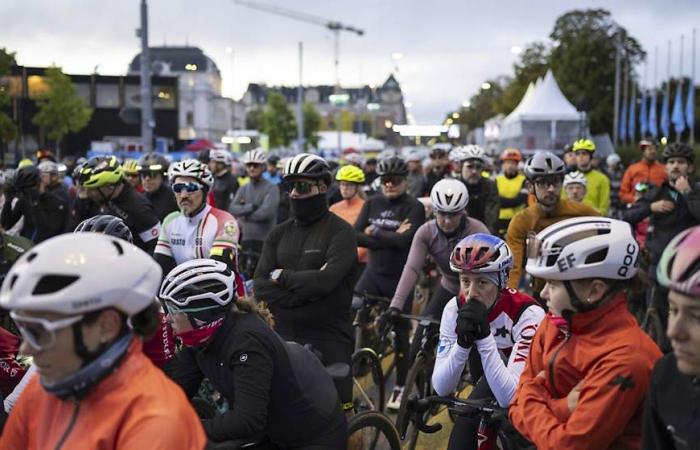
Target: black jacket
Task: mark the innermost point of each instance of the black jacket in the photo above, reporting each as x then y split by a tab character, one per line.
484	202
433	177
388	250
312	297
45	214
672	409
224	189
664	227
138	214
163	201
275	387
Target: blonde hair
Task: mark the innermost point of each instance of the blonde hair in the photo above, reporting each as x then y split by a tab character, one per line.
248	305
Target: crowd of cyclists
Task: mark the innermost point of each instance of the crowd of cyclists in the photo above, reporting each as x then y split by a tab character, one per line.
129	284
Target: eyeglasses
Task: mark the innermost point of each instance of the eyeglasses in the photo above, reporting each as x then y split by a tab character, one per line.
40	332
302	187
544	183
394	180
189	187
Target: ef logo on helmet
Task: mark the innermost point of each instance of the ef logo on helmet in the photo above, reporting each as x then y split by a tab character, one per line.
566	262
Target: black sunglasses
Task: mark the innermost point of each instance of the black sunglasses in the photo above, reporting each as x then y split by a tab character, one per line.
392	179
187	187
302	187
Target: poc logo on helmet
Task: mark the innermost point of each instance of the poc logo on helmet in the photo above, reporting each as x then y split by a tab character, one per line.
631	259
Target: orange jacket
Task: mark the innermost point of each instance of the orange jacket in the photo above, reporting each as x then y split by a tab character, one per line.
534	219
348	211
613	357
136	407
641	171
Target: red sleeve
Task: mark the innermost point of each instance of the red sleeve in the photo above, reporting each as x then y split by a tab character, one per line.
11	371
160	348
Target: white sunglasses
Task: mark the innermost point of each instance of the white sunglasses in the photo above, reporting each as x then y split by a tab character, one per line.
40	332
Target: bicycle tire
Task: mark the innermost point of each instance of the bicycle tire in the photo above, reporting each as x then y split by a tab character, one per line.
416	386
383	426
369	356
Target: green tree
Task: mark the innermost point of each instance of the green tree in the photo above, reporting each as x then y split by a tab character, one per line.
61	110
254	119
533	63
483	105
8	130
312	124
583	61
278	121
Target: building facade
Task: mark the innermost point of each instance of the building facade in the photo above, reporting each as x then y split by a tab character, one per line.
367	109
203	112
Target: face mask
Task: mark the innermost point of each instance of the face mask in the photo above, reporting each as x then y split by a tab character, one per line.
308	210
201	335
558	321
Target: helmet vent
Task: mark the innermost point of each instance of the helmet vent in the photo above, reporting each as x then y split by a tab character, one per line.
48	284
13	280
689	272
31	256
119	247
597	256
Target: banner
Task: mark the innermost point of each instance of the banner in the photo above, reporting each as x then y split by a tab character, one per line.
652	122
632	122
690	107
678	118
665	121
643	116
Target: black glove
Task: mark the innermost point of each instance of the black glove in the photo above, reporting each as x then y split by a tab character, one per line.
472	323
391	316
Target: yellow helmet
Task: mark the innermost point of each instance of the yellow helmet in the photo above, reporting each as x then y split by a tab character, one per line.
101	171
25	162
131	167
351	174
584	144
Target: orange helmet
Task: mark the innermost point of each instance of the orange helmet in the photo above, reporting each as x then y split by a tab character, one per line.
511	154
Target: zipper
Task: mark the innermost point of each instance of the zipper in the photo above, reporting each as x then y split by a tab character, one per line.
567	335
71	424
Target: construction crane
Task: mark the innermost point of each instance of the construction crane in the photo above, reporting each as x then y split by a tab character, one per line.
333	25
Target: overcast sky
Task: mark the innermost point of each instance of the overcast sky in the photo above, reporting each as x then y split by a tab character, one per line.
448	47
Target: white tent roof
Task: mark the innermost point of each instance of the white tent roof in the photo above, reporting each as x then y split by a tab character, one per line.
543	101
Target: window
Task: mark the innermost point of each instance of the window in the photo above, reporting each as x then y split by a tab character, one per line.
83	91
164	97
107	96
12	85
189	118
36	85
132	95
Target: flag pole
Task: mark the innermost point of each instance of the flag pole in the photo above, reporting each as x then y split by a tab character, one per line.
692	81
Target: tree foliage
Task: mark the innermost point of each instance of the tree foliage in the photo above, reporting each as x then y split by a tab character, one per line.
254	119
61	110
278	121
312	123
8	130
484	104
533	63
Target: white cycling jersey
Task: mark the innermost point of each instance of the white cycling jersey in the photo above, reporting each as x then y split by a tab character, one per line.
184	238
514	320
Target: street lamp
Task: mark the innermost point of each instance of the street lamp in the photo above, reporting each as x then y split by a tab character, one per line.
466	104
486	86
455	115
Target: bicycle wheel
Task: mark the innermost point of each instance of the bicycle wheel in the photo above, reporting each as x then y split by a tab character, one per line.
417	385
372	430
368	381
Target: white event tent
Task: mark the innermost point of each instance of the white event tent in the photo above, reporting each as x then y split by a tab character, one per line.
543	120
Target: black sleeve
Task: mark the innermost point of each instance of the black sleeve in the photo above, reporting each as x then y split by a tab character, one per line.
341	254
518	200
416	217
654	434
693	200
50	216
492	205
253	366
640	210
166	263
184	371
266	290
9	215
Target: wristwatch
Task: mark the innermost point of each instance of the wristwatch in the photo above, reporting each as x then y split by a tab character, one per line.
275	275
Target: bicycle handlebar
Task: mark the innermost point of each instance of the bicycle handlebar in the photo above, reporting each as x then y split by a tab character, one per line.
374	298
461	407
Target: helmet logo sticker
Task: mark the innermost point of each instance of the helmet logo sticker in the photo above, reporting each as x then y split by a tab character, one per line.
566	263
243	357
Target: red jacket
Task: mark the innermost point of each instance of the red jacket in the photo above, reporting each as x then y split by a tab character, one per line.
654	173
11	371
614	358
136	407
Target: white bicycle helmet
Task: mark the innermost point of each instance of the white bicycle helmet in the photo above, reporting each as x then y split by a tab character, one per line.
613	159
474	152
544	163
74	274
222	156
355	159
255	156
583	247
449	196
199	279
575	177
191	168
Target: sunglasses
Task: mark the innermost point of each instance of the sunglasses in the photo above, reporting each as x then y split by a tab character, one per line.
302	187
394	180
547	182
39	332
189	187
150	174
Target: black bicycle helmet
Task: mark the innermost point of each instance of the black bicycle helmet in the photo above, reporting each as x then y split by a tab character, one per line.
26	177
679	150
306	165
153	162
106	224
392	166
